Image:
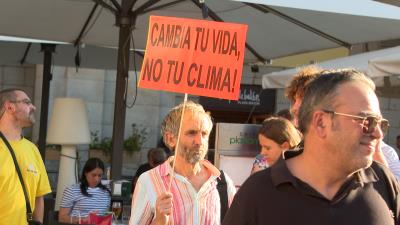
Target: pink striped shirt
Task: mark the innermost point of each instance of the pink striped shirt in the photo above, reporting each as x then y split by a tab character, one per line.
189	206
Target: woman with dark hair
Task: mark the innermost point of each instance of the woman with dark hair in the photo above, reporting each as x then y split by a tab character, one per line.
90	195
275	136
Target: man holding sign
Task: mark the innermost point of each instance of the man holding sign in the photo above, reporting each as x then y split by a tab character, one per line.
183	190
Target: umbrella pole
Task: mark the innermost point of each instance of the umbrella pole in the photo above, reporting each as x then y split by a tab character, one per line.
125	24
48	50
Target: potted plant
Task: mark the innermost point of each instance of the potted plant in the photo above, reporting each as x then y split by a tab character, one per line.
100	148
52	152
135	141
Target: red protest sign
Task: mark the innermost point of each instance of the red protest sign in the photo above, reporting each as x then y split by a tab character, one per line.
194	56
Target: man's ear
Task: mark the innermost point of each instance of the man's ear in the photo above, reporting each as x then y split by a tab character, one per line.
8	106
285	145
170	140
319	123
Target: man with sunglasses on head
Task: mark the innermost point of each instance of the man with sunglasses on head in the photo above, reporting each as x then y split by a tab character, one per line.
295	92
17	112
334	180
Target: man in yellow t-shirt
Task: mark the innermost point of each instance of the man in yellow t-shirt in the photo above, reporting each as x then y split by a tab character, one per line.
17	112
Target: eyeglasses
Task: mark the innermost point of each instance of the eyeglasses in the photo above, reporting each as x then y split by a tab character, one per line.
369	122
25	101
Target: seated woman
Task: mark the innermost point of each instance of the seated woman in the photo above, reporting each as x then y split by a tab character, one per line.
90	195
275	136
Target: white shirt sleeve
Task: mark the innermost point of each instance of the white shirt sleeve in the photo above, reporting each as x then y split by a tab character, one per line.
142	212
392	158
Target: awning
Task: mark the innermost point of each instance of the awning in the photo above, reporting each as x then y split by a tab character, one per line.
375	64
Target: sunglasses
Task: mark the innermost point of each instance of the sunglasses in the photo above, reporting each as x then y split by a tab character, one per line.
369	123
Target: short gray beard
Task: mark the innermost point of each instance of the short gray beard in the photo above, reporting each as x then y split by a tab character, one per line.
190	156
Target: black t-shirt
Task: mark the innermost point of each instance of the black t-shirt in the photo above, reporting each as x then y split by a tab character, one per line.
142	168
274	196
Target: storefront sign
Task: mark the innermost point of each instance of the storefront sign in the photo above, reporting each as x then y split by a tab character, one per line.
252	99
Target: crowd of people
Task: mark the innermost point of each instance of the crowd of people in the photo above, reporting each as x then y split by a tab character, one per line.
321	162
332	178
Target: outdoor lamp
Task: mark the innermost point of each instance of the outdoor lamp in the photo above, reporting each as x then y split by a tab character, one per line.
68	127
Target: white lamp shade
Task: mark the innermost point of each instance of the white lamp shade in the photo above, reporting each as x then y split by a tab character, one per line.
68	123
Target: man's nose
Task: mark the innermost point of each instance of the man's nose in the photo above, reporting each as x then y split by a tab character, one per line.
378	133
198	138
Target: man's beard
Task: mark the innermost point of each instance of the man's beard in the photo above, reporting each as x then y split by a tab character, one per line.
32	118
26	120
192	155
349	151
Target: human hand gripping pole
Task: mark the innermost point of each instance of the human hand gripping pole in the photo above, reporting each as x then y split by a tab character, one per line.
163	208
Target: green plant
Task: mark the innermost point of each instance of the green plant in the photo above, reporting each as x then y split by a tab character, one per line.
53	147
136	140
94	140
104	144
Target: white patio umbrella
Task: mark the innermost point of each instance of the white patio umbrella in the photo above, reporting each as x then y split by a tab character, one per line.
375	64
276	27
12	52
386	65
